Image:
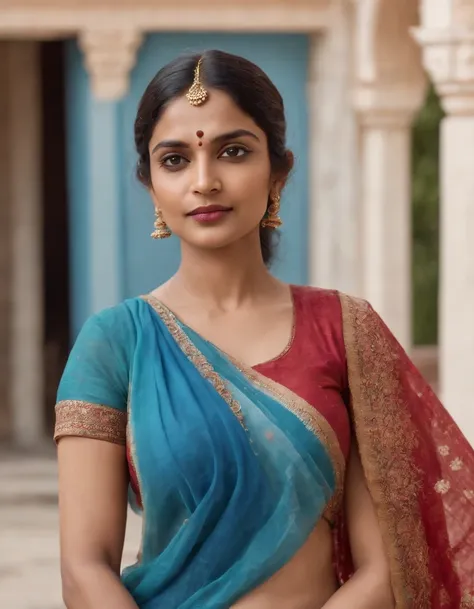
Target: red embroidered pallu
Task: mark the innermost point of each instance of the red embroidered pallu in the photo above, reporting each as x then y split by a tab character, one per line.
419	468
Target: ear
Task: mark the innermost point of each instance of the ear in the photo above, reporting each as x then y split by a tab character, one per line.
151	192
291	161
279	181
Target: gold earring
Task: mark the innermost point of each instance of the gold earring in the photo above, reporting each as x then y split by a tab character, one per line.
161	229
272	218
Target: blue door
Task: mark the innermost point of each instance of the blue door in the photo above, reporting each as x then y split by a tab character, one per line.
143	263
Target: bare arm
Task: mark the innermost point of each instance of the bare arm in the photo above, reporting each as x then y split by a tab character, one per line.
369	588
93	511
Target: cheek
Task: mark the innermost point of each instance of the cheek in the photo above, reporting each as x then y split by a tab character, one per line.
166	187
255	190
252	180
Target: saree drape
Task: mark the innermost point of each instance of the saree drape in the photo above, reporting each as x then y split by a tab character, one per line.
418	465
232	471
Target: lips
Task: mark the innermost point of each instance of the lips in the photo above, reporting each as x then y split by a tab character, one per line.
209	214
209	209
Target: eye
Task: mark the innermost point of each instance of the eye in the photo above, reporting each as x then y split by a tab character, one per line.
172	161
234	152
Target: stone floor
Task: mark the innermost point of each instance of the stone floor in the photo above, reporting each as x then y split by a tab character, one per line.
29	553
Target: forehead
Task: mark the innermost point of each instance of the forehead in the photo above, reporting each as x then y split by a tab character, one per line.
219	114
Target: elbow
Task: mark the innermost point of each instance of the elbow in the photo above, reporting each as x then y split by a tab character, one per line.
382	587
75	580
71	585
384	594
378	586
78	580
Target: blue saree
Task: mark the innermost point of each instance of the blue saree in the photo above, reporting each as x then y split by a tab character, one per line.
234	470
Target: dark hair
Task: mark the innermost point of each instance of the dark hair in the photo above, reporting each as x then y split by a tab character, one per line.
245	83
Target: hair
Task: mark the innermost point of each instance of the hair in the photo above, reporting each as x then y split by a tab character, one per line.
247	85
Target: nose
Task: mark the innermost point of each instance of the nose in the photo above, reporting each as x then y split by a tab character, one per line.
205	178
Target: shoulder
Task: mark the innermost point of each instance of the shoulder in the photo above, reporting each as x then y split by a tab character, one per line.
336	312
315	295
318	302
115	322
319	311
330	301
358	315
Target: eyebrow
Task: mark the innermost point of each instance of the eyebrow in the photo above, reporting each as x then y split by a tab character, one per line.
218	139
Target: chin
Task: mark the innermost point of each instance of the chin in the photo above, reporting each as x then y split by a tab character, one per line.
212	238
220	236
211	243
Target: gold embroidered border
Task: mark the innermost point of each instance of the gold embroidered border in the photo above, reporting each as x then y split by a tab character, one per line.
78	418
386	438
194	355
312	419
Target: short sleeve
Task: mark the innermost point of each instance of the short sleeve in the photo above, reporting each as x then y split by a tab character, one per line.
92	394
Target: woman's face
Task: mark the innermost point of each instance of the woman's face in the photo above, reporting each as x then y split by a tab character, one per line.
210	171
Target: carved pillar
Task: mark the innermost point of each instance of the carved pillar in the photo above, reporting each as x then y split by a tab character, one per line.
390	90
109	58
386	116
447	40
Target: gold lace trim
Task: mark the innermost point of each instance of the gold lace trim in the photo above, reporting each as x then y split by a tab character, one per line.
386	439
195	356
78	418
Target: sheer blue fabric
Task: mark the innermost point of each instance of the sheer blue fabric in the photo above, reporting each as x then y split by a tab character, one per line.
226	503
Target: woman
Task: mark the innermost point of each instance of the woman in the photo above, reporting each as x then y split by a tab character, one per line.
281	447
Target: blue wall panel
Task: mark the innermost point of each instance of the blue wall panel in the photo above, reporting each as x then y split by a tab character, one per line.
77	103
121	205
95	195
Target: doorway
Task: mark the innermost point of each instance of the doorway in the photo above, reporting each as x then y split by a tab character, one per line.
55	223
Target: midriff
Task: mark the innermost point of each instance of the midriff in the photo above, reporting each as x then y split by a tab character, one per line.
307	581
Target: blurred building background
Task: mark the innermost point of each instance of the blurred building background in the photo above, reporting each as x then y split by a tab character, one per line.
364	211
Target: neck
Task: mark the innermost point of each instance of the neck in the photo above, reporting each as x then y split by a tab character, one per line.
224	277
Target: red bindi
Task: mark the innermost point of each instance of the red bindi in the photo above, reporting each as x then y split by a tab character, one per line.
200	134
200	144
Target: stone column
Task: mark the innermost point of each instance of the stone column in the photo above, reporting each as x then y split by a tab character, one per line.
389	90
334	160
5	249
109	57
24	136
386	117
447	39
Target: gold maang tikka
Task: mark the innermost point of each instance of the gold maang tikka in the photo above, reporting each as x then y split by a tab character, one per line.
197	94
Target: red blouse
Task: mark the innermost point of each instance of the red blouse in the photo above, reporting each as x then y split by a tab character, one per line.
314	366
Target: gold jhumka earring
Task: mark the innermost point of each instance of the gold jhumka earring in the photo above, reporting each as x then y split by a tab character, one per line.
197	94
272	217
161	229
